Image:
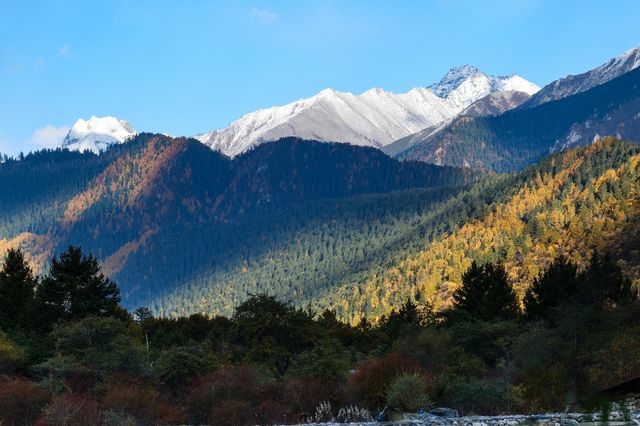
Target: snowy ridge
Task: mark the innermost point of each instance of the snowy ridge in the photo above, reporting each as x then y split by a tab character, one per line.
494	103
464	85
374	118
97	133
573	84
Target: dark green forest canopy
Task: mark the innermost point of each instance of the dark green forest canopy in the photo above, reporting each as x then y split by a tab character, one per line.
175	247
163	213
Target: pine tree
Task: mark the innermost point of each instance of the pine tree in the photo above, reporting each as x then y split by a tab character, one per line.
604	283
76	288
485	294
552	289
17	285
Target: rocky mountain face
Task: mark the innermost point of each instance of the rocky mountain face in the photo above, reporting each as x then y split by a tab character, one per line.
573	84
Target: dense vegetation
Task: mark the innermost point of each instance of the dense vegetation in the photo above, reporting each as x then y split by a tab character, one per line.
517	138
69	354
133	205
360	249
365	255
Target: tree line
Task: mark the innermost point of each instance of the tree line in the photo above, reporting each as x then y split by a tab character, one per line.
69	352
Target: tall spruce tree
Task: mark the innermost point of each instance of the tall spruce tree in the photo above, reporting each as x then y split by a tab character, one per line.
76	288
17	284
485	294
603	283
552	289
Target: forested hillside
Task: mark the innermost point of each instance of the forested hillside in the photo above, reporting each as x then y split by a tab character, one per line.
572	204
158	211
517	138
367	254
183	229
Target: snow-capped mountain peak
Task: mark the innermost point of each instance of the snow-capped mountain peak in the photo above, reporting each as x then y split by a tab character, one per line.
374	118
573	84
453	79
97	133
464	85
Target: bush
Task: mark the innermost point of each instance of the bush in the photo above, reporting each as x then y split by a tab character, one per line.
232	412
20	402
94	348
71	410
133	399
322	414
220	387
483	396
303	395
11	355
272	411
117	418
177	366
407	392
368	386
353	414
327	361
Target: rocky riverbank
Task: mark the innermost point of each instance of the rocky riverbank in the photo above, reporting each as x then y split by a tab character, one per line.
550	419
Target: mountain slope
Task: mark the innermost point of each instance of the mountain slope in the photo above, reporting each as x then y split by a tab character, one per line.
184	229
374	118
573	84
494	103
97	133
365	255
519	137
571	204
127	203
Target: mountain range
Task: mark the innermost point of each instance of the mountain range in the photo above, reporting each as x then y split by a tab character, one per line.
184	228
374	118
516	138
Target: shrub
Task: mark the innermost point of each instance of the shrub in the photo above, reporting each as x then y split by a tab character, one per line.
407	392
117	418
328	361
273	411
223	385
177	366
168	413
323	413
71	410
11	355
353	414
232	412
303	394
368	386
20	402
483	396
133	399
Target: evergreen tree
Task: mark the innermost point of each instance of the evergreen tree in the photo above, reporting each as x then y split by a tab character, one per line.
604	283
76	288
485	294
17	285
552	289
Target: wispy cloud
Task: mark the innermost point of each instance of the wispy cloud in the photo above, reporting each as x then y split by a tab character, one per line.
39	64
264	16
65	51
47	137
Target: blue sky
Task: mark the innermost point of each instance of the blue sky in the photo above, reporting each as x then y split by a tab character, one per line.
185	67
